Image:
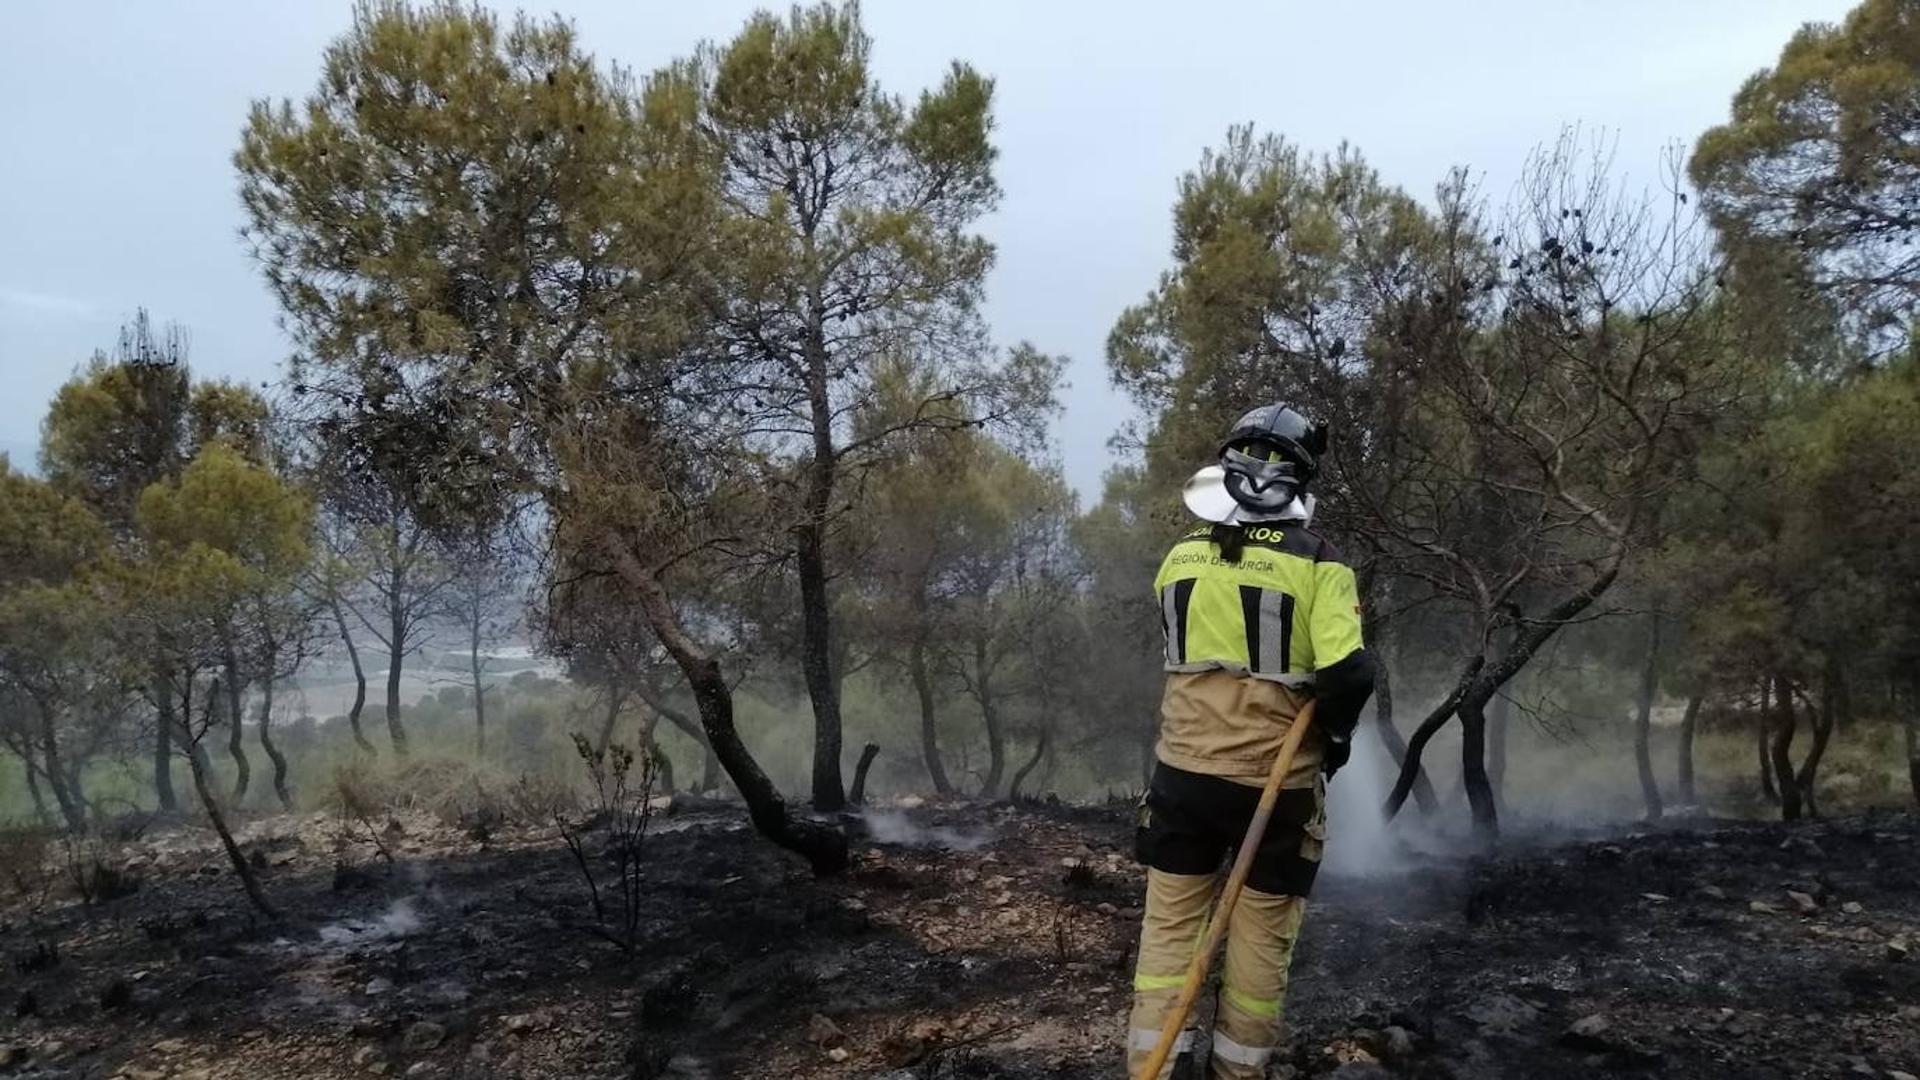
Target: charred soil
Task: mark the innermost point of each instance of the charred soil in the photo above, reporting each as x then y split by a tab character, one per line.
969	940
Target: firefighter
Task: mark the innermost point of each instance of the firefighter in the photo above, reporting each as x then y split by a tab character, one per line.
1259	615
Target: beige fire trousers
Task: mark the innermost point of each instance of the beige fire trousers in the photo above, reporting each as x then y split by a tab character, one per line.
1247	1024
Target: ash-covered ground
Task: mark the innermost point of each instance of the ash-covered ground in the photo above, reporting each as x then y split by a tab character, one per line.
970	940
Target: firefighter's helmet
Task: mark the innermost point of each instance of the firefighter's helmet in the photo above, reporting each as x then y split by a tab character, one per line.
1270	456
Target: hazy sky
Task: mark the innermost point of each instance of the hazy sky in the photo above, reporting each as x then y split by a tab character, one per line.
116	190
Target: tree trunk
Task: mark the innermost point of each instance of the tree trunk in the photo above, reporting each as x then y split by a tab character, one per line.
1473	763
663	767
196	752
77	791
1040	749
240	866
40	813
1390	737
242	768
1782	742
1422	735
1049	765
662	764
1499	726
479	692
816	659
273	752
824	847
1643	721
858	794
990	715
710	771
1823	720
1767	787
816	613
1913	755
1489	679
929	725
359	679
1688	723
71	810
610	719
1041	746
1910	721
397	627
1499	711
163	747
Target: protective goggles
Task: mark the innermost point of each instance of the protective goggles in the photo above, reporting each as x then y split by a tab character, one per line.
1261	465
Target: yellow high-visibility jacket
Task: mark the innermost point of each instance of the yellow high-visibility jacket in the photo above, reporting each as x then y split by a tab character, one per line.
1243	642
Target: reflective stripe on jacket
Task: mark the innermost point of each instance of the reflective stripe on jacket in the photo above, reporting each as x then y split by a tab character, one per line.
1242	643
1286	609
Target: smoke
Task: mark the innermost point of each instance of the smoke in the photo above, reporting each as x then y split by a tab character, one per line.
1360	843
894	827
398	921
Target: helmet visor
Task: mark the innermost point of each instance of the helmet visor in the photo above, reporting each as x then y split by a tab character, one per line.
1262	481
1261	464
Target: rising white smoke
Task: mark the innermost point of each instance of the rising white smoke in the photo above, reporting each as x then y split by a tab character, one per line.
398	921
1359	842
894	827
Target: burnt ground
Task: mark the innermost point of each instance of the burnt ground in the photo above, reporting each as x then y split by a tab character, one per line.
1006	953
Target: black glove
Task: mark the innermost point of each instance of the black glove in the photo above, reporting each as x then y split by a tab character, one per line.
1335	755
1341	690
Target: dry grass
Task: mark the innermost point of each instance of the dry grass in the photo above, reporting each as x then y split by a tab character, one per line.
94	865
456	792
26	871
